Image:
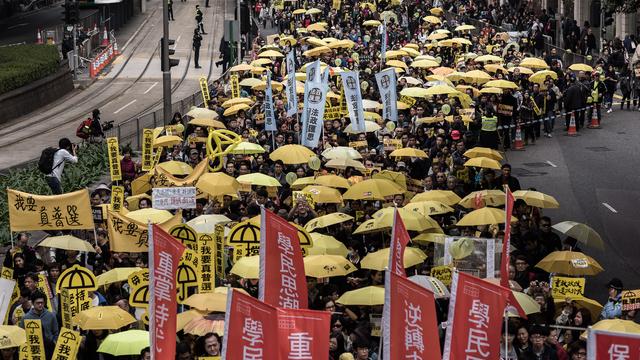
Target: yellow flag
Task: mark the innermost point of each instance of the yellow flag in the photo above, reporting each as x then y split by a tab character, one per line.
67	345
113	150
35	340
71	211
126	235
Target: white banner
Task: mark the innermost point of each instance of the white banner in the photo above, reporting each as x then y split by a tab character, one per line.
386	80
314	99
174	198
6	290
292	96
269	116
351	86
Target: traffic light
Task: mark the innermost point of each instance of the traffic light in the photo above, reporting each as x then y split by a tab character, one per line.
71	12
172	62
608	17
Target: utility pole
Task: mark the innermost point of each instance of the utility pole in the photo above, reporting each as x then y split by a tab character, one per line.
166	66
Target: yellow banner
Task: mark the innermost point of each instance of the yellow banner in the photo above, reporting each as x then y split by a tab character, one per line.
218	237
23	353
567	287
235	86
43	285
156	158
206	251
35	340
127	235
113	151
117	198
186	235
204	89
165	179
442	273
147	149
72	302
187	274
139	285
67	345
407	100
332	113
71	211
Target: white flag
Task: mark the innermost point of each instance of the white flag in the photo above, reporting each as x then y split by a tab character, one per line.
351	86
292	96
386	80
269	116
314	99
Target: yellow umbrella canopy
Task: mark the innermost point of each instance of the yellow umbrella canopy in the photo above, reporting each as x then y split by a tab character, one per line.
493	68
247	267
534	63
343	163
235	109
408	152
491	90
217	184
488	58
250	82
317	51
483	216
130	342
302	182
415	92
326	245
327	220
292	154
580	232
457	76
428	208
501	84
323	194
11	336
317	27
208	302
67	242
570	263
617	325
379	260
314	11
197	112
483	162
540	76
413	220
276	86
166	141
537	199
235	101
115	275
397	63
324	266
299	11
580	302
342	152
372	23
248	148
212	323
366	296
176	167
441	90
206	122
369	126
479	76
372	189
258	179
437	36
581	67
103	317
270	53
145	215
520	69
332	180
241	67
186	317
432	19
465	27
446	197
425	238
442	70
488	197
526	302
483	152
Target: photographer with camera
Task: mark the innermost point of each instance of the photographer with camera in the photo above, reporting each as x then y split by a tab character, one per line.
54	159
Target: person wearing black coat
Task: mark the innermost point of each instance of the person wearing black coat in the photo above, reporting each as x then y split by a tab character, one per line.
574	100
197	42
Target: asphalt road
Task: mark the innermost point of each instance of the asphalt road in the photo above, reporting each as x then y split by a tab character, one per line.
596	179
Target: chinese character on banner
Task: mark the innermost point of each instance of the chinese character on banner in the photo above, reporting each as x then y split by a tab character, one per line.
399	240
147	149
70	211
166	252
409	321
113	150
35	339
67	344
476	310
303	333
606	345
282	277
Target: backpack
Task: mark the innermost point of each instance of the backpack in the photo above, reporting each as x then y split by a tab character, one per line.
45	164
84	130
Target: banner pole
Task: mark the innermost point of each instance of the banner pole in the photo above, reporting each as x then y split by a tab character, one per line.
506	335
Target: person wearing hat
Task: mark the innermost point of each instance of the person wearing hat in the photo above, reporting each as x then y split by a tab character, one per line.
489	129
613	308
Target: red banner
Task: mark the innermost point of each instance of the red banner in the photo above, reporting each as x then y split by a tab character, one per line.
166	253
303	334
410	325
612	345
399	240
476	310
282	280
506	243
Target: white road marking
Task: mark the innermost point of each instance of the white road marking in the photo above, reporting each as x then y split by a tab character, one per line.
610	208
122	108
17	26
175	45
151	87
552	164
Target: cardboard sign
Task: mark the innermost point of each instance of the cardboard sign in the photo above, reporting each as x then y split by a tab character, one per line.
117	198
407	100
23	352
630	300
174	198
392	144
332	113
67	344
113	150
147	149
442	273
567	287
35	339
77	277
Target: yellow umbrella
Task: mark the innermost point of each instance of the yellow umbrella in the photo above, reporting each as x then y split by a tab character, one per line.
323	194
302	182
371	116
450	42
428	208
522	70
442	70
217	184
235	109
465	27
432	19
379	260
424	64
617	325
317	51
537	199
208	302
390	54
457	76
326	245
185	317
314	11
446	197
343	163
11	336
413	220
325	266
103	318
270	53
332	180
134	201
488	58
411	51
488	197
292	154
342	44
257	70
166	141
235	101
141	184
372	23
409	152
327	220
397	177
250	82
207	123
369	126
130	342
288	40
580	232
570	263
414	92
483	152
299	11
534	63
437	36
317	27
241	67
493	68
483	162
247	267
212	323
276	86
397	63
145	215
372	189
479	76
441	90
67	242
315	42
581	67
502	84
176	167
580	302
197	112
483	216
247	148
540	76
526	302
342	151
436	11
366	296
258	179
115	275
491	90
435	238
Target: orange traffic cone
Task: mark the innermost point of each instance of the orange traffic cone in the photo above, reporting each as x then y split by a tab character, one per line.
518	144
39	38
105	38
572	131
595	123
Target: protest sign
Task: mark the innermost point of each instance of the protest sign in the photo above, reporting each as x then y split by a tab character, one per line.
35	339
174	198
147	149
67	344
442	273
113	151
567	287
70	211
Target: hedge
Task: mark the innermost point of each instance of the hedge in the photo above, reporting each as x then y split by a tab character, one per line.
23	64
92	164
